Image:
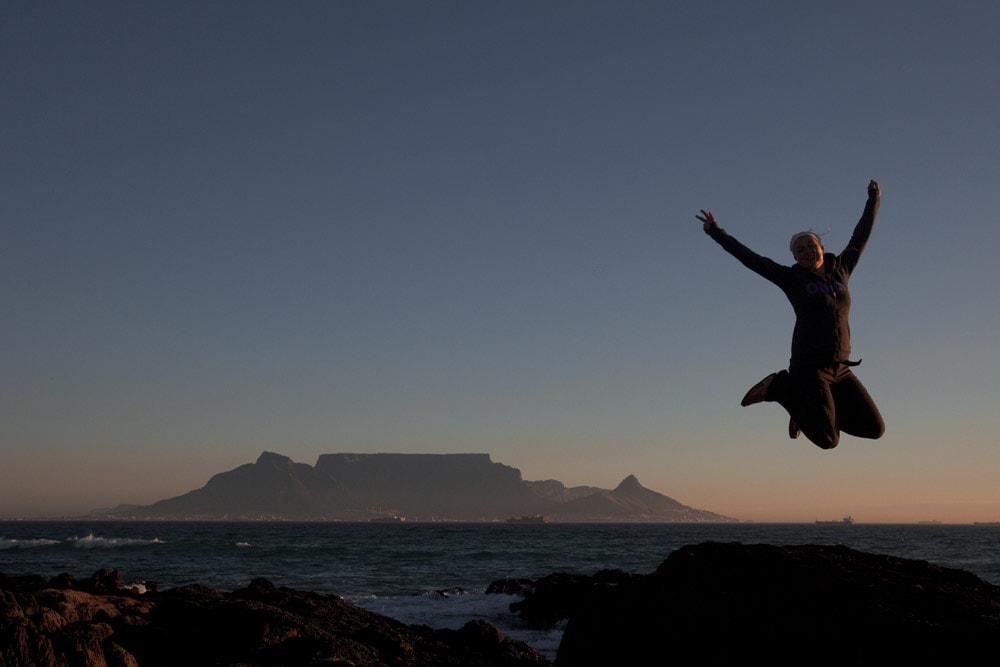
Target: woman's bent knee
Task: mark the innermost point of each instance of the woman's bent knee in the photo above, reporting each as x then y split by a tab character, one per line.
825	440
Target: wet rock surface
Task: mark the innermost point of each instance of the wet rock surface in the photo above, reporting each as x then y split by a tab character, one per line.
96	623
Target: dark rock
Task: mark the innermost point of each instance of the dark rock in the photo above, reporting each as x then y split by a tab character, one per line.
98	623
103	581
723	604
521	587
63	581
555	597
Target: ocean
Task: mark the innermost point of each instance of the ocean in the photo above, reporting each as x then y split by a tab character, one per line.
434	573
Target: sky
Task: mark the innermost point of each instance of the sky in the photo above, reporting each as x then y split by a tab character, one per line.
445	227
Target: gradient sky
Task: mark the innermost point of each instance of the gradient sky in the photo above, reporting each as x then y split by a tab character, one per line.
437	227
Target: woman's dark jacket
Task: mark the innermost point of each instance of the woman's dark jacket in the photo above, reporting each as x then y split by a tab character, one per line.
822	333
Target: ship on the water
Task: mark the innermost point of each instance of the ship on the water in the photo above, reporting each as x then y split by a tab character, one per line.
847	520
534	518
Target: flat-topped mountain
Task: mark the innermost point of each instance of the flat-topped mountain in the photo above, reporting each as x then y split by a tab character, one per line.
417	487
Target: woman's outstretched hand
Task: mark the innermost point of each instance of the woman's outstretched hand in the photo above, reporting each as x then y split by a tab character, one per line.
873	189
709	220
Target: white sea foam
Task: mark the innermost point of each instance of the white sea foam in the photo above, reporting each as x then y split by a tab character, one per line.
93	542
25	544
244	545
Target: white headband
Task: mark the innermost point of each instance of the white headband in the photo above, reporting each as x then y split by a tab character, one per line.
796	237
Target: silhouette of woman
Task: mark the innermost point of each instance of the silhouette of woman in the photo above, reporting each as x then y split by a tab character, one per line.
819	389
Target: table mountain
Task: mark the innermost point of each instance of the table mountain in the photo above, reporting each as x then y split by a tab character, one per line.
427	487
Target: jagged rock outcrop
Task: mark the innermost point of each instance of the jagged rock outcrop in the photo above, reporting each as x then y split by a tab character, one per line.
439	487
99	624
726	604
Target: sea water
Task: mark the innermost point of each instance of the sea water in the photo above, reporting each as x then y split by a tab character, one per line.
434	574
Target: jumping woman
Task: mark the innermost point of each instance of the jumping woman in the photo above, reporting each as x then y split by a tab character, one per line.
819	390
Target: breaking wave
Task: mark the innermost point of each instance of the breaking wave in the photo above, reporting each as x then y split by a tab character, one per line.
94	542
89	541
25	544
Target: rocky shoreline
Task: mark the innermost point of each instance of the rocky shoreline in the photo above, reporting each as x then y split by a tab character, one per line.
712	603
97	622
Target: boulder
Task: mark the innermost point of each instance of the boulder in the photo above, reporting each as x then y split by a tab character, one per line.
724	604
97	624
553	598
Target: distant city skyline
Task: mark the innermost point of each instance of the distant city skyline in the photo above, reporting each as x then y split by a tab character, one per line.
369	226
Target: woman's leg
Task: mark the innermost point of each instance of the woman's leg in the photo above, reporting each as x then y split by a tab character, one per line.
806	395
857	413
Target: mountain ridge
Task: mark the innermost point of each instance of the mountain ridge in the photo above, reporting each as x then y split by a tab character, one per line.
419	487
